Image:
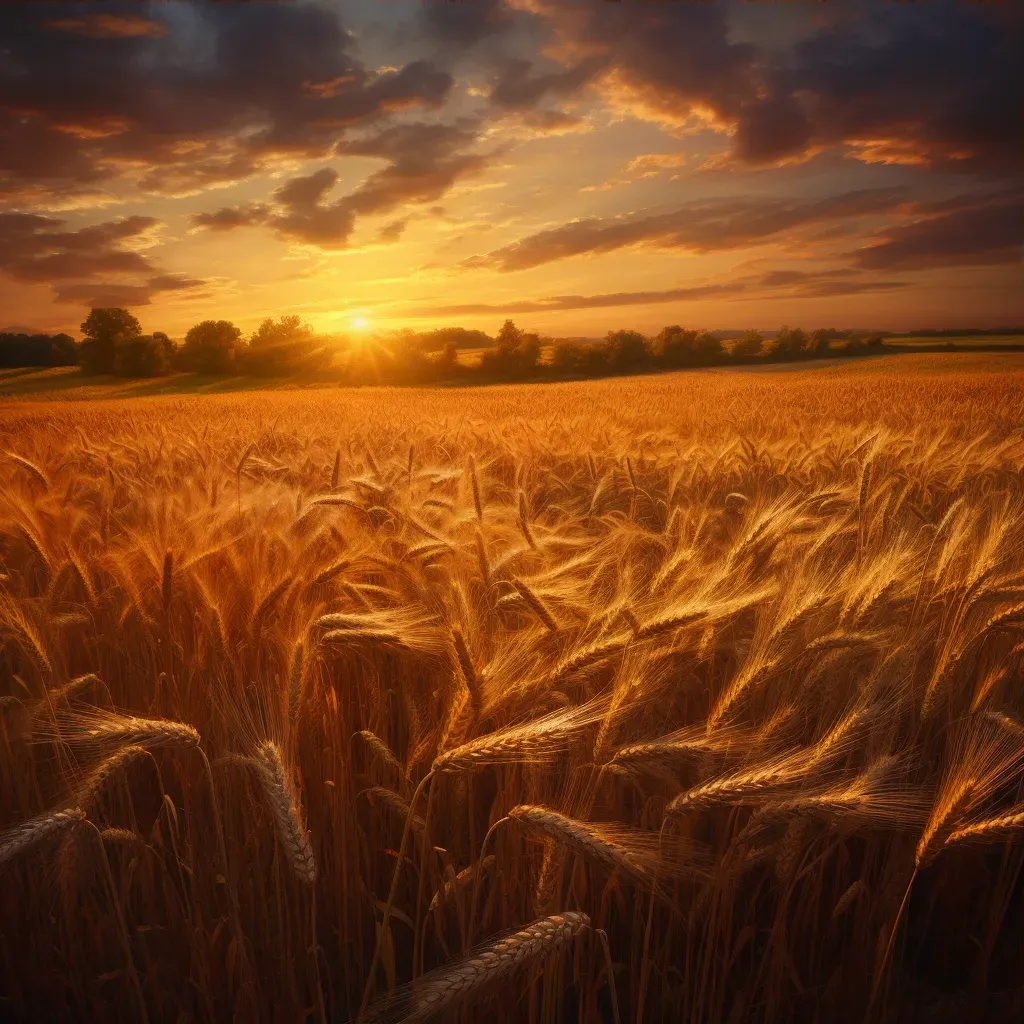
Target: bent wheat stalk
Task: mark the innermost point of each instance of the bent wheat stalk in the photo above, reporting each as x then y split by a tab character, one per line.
491	964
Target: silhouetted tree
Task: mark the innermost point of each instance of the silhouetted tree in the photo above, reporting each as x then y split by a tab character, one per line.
460	337
516	354
37	350
627	351
790	343
284	346
211	346
143	355
818	344
103	328
709	348
675	346
509	337
578	358
749	346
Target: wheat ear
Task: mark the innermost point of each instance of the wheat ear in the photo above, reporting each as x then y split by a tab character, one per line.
283	805
488	965
1004	826
33	470
32	833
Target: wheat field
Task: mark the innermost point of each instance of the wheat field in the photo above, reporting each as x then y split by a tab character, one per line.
684	698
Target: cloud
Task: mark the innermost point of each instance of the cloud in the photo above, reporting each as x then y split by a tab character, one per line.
774	284
935	87
109	26
977	235
87	264
392	231
464	25
424	161
227	218
704	226
104	97
517	89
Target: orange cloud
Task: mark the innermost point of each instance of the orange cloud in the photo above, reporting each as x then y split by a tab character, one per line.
109	26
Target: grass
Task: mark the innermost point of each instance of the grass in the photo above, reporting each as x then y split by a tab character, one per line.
684	697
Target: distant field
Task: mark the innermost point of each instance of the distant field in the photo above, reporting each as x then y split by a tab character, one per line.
968	341
306	691
67	383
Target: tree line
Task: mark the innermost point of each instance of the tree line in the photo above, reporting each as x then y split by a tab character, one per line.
113	343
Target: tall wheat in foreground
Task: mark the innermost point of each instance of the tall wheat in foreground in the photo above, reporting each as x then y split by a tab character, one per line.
683	698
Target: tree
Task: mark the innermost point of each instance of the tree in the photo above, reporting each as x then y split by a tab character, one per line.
285	346
675	346
818	344
749	346
460	337
709	348
37	350
211	346
145	355
516	354
509	337
63	351
102	329
627	350
579	358
790	343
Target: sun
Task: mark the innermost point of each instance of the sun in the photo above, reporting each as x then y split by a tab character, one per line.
360	323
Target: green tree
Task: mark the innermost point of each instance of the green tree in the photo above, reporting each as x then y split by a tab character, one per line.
211	346
103	328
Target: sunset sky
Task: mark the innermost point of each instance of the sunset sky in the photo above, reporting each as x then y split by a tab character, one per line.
578	165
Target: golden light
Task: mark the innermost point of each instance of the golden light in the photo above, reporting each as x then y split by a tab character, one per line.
360	323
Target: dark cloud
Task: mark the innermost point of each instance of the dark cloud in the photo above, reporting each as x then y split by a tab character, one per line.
974	236
83	264
392	232
517	89
99	293
704	226
94	94
424	162
229	217
464	24
938	86
774	284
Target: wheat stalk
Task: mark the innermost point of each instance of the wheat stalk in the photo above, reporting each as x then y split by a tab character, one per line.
33	470
539	608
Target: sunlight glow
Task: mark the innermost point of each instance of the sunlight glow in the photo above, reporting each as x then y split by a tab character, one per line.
360	323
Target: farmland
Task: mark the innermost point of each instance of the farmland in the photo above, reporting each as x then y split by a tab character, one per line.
692	696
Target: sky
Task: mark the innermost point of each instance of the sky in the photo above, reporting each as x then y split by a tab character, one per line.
577	165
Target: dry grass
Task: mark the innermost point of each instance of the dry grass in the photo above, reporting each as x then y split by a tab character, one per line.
725	665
